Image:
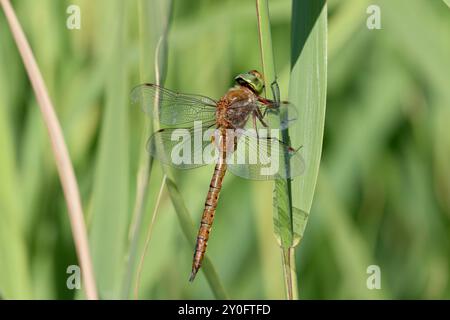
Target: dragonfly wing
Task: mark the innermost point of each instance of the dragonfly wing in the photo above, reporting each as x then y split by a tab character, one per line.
264	158
172	108
184	148
279	116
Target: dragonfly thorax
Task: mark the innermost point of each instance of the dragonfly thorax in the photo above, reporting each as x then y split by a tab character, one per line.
235	107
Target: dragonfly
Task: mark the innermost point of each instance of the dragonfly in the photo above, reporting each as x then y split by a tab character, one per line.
239	133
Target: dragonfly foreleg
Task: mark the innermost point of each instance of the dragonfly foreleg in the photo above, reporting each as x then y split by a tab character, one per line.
260	117
255	125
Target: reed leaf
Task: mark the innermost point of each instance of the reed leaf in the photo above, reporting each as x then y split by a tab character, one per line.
308	90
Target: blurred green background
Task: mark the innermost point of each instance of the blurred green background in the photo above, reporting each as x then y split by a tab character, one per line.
383	194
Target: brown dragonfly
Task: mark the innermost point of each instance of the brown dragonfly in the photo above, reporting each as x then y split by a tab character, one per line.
239	132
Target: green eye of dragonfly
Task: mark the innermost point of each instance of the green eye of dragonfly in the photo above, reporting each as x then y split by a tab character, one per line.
252	79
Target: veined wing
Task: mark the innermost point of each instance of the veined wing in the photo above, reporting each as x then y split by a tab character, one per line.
184	148
264	157
275	115
280	116
173	108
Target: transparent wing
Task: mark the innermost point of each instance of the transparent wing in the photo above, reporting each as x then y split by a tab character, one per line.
264	157
173	108
184	148
280	115
276	117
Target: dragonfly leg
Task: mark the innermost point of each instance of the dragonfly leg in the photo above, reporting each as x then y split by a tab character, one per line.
260	117
255	125
275	92
267	102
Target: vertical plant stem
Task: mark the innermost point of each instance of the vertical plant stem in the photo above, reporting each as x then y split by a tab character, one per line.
283	188
61	154
290	274
148	238
138	215
265	41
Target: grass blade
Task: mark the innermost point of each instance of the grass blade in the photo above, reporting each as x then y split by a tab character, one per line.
307	90
148	238
265	42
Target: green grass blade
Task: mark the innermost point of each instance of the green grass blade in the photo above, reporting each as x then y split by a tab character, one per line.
307	90
265	42
110	194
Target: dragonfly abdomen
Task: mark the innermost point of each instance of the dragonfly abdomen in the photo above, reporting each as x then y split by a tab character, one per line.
208	217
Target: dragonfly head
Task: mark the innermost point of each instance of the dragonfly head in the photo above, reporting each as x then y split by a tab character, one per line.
252	80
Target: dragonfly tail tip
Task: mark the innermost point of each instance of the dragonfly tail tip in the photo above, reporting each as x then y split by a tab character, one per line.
192	276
